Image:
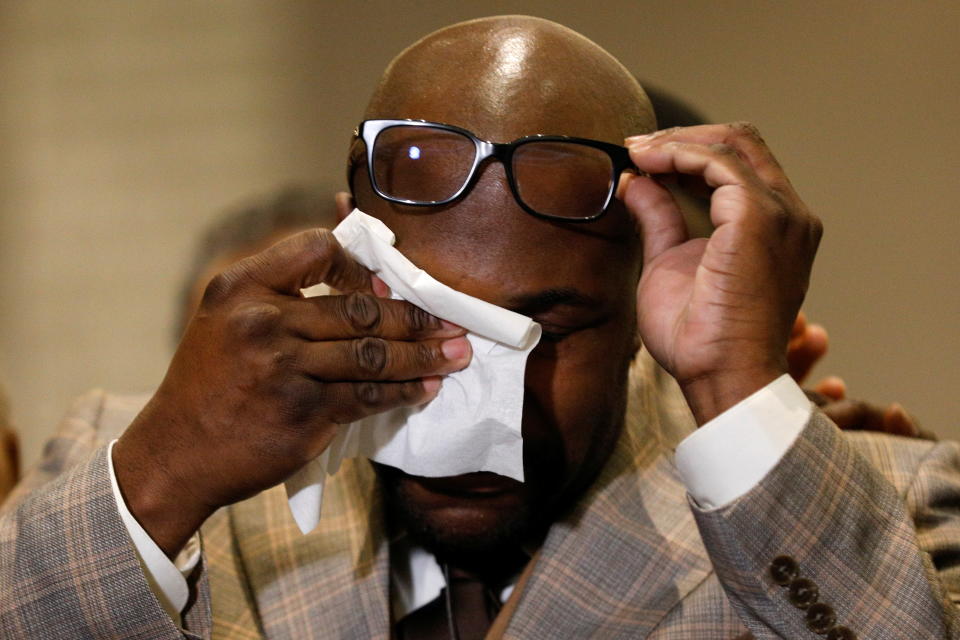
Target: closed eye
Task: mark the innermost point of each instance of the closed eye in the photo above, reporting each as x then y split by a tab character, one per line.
552	337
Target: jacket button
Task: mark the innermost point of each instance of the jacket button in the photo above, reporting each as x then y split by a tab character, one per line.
803	593
820	618
784	570
841	633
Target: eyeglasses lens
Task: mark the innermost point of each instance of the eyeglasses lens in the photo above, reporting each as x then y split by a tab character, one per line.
421	164
563	179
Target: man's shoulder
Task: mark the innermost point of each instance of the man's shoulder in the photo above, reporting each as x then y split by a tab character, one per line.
118	411
100	416
94	419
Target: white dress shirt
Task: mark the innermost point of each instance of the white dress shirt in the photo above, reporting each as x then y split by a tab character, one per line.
719	462
416	578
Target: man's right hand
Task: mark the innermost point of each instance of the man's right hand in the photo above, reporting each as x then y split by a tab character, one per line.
263	377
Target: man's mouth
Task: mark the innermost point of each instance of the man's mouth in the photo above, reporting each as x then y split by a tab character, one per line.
480	484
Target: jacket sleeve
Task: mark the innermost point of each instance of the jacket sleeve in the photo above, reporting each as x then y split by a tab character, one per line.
68	568
829	540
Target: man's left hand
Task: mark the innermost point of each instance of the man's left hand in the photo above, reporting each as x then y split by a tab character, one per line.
717	312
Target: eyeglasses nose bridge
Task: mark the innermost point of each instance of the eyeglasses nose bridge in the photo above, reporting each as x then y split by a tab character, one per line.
502	151
485	150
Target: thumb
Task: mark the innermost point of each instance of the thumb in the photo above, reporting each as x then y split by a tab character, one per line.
303	260
657	214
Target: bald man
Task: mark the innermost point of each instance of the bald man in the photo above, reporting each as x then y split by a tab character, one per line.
767	522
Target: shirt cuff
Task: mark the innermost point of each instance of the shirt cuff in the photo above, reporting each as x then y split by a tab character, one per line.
731	454
167	580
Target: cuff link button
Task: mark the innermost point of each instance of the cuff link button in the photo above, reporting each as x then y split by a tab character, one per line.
784	570
821	618
841	633
803	593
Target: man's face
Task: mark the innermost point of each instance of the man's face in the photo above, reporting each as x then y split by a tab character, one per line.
577	280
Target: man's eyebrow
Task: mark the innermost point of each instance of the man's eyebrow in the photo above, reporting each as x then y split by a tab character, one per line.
530	303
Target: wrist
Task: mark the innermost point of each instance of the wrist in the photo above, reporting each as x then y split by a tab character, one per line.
710	395
160	502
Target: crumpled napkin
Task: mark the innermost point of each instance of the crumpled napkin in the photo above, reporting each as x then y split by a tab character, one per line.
474	422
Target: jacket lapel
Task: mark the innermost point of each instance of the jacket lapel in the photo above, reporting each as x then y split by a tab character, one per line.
630	551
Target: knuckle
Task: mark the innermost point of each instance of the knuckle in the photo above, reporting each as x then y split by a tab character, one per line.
724	149
371	355
419	320
254	319
816	230
322	244
780	185
338	403
362	311
282	361
410	391
326	251
296	400
781	219
220	287
427	355
747	130
369	394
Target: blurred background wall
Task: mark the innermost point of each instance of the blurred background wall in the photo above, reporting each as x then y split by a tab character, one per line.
127	126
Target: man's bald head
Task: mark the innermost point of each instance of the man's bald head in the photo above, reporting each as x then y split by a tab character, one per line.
508	76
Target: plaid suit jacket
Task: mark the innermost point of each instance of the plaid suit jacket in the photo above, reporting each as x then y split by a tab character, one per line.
873	520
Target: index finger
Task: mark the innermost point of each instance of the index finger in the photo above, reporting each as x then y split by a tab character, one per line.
744	137
355	315
306	259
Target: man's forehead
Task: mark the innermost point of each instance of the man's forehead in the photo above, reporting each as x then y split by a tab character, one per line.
504	120
509	77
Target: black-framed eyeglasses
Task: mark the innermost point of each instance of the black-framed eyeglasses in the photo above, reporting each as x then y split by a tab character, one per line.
422	163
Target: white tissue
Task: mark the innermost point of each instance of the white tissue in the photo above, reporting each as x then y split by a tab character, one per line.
474	422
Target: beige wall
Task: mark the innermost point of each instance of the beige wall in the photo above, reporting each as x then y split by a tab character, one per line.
127	125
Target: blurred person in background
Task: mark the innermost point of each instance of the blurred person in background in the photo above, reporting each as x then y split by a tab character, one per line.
9	449
249	228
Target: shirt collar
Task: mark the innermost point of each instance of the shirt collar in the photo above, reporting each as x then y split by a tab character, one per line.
416	578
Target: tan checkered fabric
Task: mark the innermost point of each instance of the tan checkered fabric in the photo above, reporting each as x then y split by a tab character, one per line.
874	520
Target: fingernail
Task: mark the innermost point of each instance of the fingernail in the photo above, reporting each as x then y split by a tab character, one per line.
431	384
380	288
900	422
455	349
635	139
897	412
639	147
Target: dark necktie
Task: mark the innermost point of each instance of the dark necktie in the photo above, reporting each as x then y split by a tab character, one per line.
466	614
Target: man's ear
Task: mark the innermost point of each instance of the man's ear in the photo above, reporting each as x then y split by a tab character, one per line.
345	204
